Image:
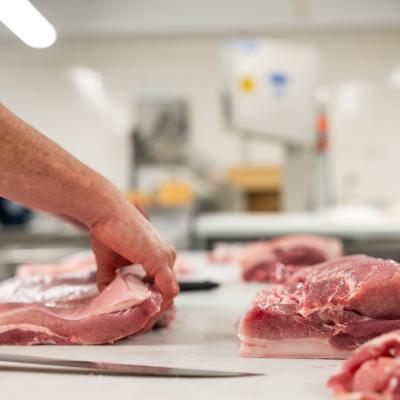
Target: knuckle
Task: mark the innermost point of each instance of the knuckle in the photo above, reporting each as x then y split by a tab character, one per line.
167	255
175	290
158	256
172	251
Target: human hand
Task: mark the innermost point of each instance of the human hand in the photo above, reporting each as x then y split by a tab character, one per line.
122	237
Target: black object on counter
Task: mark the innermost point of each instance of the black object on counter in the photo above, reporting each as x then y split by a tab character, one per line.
197	285
13	214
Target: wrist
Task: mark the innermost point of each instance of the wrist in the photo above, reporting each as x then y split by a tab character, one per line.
101	201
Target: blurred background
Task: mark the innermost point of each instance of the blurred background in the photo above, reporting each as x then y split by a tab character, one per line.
227	120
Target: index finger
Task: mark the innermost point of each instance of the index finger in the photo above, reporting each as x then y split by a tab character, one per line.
165	280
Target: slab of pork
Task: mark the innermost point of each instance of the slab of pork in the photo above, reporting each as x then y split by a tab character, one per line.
327	312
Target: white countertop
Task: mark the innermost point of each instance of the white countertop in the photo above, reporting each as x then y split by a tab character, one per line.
203	336
242	225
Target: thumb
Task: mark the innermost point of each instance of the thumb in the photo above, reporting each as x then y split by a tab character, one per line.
107	262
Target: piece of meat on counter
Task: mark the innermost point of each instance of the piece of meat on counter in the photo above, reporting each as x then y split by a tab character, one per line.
372	372
79	263
60	304
232	253
59	311
329	312
281	257
277	259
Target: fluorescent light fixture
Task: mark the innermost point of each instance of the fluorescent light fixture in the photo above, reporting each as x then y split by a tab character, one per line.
25	21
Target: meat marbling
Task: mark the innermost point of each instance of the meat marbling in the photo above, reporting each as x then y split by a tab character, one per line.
372	372
329	311
63	306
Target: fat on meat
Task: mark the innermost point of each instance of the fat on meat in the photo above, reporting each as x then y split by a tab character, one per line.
57	312
60	304
326	313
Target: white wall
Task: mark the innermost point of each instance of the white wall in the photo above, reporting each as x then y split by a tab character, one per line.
356	65
36	85
365	118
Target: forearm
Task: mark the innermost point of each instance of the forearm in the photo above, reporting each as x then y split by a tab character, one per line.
38	173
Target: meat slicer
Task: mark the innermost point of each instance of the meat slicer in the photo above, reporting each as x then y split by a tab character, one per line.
270	88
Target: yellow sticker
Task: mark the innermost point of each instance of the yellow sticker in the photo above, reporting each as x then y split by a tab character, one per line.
247	84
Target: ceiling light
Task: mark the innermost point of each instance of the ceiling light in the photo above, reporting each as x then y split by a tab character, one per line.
25	21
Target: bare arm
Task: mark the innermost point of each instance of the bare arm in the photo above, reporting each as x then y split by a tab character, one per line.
38	173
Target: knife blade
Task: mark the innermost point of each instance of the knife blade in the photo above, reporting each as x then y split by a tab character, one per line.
121	369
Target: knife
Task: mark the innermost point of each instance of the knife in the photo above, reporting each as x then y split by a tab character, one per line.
191	286
94	367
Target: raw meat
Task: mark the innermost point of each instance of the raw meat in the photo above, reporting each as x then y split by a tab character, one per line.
275	260
68	312
278	259
81	264
331	310
232	253
76	264
372	372
60	304
49	291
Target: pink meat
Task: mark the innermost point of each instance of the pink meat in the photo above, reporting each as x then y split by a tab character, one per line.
82	263
71	265
56	314
279	258
228	253
59	303
372	372
331	310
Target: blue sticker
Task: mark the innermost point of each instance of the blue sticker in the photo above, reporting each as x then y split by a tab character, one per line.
278	81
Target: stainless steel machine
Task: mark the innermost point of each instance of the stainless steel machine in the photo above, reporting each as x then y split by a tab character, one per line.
270	86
